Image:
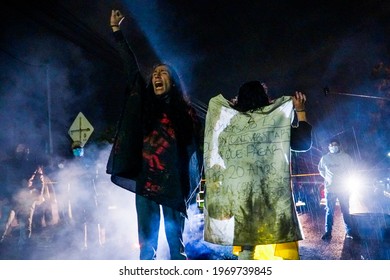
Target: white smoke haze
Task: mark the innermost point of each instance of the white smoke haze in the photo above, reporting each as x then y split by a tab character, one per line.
97	219
68	59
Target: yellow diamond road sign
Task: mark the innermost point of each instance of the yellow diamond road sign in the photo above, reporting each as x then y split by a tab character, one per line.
81	129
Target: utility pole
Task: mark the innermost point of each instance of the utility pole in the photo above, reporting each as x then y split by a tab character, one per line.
48	94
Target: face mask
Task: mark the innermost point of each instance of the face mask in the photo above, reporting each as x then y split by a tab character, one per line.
333	149
78	152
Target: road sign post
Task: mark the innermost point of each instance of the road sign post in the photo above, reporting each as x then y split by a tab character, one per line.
81	129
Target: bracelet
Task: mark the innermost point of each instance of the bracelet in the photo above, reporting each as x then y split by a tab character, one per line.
114	25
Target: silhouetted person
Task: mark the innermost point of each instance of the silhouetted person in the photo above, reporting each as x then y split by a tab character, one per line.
17	183
334	167
248	199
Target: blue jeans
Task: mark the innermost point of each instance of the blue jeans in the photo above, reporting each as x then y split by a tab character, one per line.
331	199
148	214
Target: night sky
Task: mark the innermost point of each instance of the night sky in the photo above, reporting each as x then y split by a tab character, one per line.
58	58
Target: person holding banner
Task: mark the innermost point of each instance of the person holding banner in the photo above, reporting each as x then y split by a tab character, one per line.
248	198
158	134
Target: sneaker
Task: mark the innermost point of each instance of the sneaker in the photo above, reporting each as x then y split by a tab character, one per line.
326	236
355	237
348	236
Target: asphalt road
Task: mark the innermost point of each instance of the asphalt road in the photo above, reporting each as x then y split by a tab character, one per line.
66	241
370	211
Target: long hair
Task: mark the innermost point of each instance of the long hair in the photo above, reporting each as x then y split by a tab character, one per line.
251	96
174	103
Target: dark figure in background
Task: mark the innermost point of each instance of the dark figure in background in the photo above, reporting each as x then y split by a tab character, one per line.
20	166
21	213
82	205
248	199
17	177
46	210
334	167
157	135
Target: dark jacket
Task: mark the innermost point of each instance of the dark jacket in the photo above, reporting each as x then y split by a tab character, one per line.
301	137
130	159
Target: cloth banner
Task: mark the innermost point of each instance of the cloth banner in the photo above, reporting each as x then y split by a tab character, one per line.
248	197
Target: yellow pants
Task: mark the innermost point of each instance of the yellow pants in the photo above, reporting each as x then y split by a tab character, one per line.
281	251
